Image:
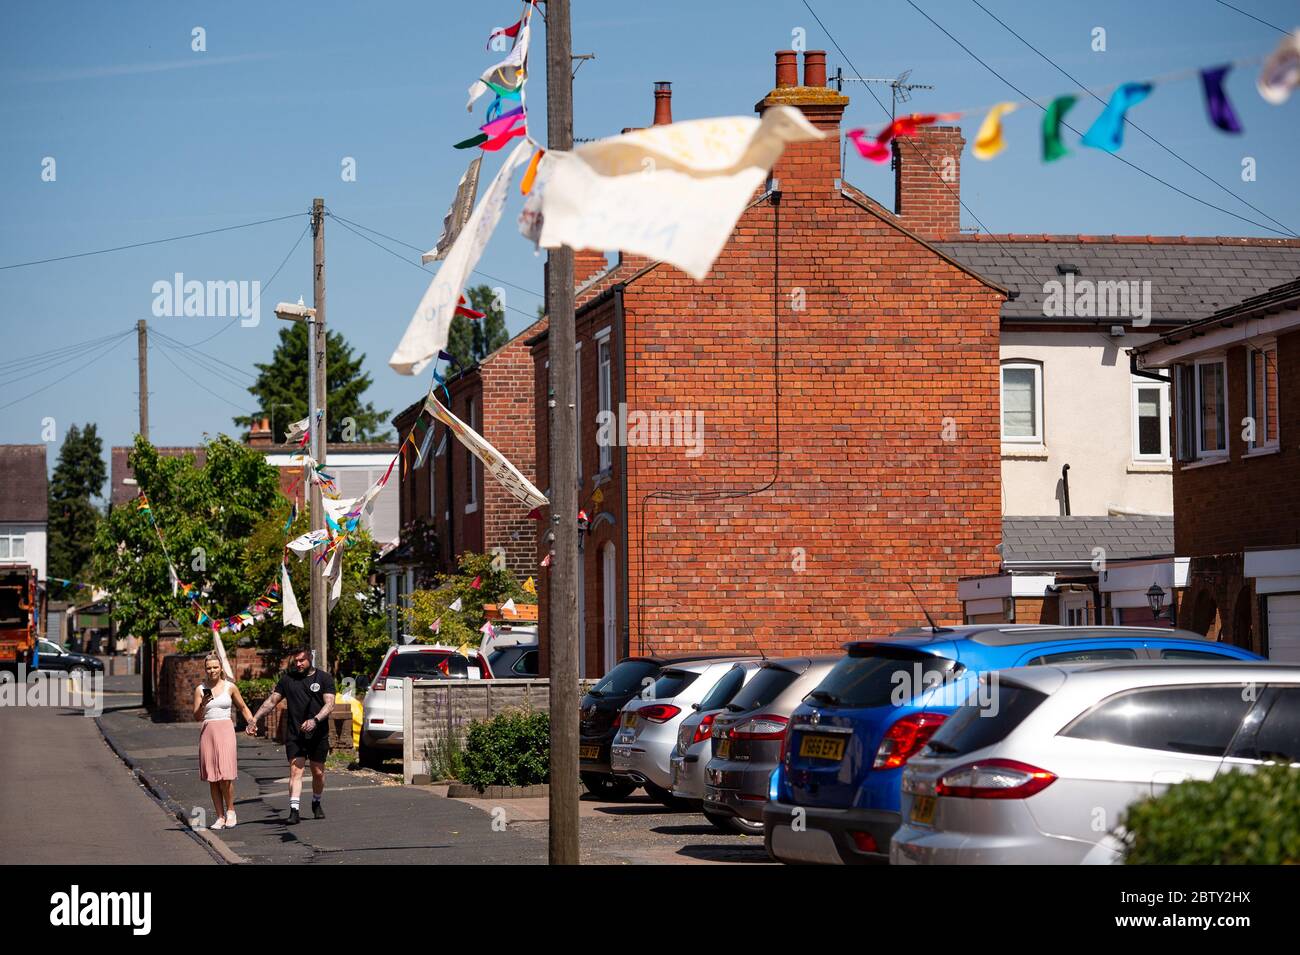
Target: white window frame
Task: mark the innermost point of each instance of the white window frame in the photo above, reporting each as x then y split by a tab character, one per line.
472	461
604	392
1037	368
11	537
1262	442
1165	449
1073	602
1201	451
577	405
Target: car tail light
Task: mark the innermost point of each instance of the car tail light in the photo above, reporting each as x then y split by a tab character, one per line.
763	726
864	841
906	738
618	720
994	779
658	712
785	742
704	730
381	680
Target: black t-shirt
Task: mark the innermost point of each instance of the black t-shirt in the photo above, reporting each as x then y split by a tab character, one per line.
304	695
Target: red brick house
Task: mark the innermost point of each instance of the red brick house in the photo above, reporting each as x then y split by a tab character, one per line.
817	423
1236	418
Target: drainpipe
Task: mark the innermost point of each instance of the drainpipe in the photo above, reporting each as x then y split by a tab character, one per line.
620	350
1065	487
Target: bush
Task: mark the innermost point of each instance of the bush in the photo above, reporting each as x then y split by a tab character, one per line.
258	689
1235	819
446	757
513	748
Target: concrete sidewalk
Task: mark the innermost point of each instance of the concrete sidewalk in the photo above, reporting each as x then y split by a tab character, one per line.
369	819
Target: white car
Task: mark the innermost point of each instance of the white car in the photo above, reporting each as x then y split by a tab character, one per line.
1043	768
643	747
381	722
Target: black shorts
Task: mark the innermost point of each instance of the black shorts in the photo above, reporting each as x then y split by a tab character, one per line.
314	747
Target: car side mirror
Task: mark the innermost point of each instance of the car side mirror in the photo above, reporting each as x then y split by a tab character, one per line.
695	706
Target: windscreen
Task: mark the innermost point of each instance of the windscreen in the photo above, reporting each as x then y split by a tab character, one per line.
882	676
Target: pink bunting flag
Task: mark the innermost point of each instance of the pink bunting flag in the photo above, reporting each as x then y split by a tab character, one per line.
511	31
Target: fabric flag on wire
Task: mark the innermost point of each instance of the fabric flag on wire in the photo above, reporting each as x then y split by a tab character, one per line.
989	141
508	74
289	613
1281	71
530	586
436	626
221	655
510	31
461	207
142	505
463	309
426	334
546	561
672	193
878	149
1217	104
494	462
509	607
478	582
456	605
1054	115
296	429
1107	131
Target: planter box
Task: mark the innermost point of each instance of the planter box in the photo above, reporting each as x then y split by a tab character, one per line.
466	791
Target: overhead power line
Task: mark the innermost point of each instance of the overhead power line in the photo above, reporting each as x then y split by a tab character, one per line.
80	368
139	245
1271	26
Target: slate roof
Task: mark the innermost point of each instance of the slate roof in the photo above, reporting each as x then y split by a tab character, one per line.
1063	540
1191	277
24	489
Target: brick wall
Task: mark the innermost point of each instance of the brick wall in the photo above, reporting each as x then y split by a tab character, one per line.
1245	502
882	342
927	181
180	673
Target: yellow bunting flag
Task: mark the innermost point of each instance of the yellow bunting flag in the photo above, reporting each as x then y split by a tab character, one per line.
989	141
529	586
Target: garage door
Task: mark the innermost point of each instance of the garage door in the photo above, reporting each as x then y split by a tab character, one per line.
1284	628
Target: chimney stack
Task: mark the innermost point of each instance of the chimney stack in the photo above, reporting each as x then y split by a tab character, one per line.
927	182
259	435
663	103
807	166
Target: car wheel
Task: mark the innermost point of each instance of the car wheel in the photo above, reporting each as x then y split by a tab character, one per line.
607	787
666	798
734	824
369	757
78	672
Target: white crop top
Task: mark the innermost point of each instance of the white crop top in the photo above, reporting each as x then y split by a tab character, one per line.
218	705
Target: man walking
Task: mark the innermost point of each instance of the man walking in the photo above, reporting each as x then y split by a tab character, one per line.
309	697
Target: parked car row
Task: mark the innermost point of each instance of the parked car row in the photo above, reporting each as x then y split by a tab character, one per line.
937	744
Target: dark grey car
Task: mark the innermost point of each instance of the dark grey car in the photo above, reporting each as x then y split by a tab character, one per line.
747	739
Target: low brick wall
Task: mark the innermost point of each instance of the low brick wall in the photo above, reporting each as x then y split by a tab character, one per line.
180	673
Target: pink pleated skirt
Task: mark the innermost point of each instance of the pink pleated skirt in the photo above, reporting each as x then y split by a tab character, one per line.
218	758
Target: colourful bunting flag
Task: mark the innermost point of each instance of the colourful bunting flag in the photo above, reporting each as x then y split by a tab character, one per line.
436	626
530	586
530	174
510	31
546	561
989	141
1053	148
1281	71
478	582
476	140
456	605
509	606
878	150
1107	131
1217	104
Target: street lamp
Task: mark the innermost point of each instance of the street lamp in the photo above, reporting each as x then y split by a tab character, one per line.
1156	598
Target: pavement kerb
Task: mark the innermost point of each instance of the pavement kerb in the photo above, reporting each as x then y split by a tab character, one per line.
222	852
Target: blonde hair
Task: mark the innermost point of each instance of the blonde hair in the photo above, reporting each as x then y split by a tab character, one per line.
211	658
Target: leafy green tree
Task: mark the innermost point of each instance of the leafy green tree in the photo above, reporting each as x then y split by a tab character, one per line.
281	389
461	626
78	478
472	340
358	629
206	517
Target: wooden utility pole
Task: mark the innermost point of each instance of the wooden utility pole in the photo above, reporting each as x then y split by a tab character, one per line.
563	470
316	384
142	350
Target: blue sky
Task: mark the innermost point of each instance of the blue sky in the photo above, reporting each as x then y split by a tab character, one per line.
152	139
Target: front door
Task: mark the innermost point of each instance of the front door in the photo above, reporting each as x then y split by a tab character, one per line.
609	578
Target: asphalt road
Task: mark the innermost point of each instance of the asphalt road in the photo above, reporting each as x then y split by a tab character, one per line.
65	797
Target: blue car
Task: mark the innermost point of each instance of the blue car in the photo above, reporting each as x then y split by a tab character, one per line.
835	795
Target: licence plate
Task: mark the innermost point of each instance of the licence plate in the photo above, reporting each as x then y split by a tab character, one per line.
629	720
923	809
589	752
723	749
822	747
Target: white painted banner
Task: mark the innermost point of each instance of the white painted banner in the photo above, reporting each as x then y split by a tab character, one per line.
493	461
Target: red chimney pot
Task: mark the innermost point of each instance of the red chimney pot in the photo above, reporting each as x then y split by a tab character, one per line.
814	68
787	69
663	103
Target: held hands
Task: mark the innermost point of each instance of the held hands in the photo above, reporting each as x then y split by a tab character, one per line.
309	725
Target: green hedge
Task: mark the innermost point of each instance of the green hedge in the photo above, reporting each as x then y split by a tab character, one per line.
1235	819
513	748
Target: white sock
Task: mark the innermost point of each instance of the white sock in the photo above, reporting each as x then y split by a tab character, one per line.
293	802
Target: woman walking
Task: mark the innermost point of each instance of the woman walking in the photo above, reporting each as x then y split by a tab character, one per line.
214	700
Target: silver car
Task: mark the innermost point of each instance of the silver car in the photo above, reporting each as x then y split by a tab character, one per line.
1042	768
647	734
696	732
747	740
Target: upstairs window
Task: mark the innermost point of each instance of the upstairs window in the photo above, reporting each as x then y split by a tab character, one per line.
1202	409
471	462
1261	394
1150	420
605	398
1022	402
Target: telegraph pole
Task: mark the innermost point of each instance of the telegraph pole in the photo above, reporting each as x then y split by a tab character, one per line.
317	403
142	350
563	470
